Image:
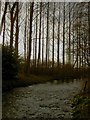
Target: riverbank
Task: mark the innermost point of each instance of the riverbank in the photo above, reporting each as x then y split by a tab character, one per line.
81	106
24	80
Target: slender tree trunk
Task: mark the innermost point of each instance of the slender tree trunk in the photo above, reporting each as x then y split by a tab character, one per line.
28	24
17	30
77	41
36	36
4	34
89	33
47	47
58	37
69	35
73	31
3	18
43	40
30	35
13	17
39	51
25	34
11	31
64	33
53	36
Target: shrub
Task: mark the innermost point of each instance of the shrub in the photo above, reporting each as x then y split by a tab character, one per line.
10	63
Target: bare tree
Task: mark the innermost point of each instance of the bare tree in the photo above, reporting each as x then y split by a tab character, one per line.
47	39
30	36
39	48
64	33
17	28
58	51
53	35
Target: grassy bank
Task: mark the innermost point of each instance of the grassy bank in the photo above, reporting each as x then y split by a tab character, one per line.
24	80
34	79
81	107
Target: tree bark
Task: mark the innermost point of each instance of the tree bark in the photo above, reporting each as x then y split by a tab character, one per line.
30	36
64	33
39	48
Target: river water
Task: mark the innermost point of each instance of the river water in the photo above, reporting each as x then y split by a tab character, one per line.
48	100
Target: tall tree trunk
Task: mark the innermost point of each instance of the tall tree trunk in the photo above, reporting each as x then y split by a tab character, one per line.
53	35
89	33
39	51
36	36
58	37
73	32
3	18
43	40
77	42
11	31
17	30
69	35
12	18
4	34
64	33
25	30
30	36
47	47
28	24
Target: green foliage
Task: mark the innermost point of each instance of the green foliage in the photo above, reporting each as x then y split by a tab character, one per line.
80	105
10	63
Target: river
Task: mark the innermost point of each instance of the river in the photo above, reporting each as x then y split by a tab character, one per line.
48	100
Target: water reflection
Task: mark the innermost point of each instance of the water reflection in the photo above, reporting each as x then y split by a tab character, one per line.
65	81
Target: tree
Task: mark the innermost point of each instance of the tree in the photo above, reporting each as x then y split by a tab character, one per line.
47	37
3	18
10	63
69	34
53	35
17	29
58	37
64	33
12	18
30	36
39	48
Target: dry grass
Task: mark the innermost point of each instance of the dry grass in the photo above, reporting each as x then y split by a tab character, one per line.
33	79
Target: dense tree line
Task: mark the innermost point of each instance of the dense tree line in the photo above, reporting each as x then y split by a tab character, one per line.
50	34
